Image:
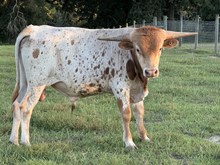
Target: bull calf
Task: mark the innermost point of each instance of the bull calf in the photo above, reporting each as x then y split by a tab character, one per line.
79	62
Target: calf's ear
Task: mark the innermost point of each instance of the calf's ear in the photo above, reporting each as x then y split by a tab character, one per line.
170	43
126	44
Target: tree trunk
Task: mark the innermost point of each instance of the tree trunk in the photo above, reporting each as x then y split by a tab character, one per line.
171	11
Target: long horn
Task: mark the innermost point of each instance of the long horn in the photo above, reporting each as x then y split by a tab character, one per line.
116	38
172	34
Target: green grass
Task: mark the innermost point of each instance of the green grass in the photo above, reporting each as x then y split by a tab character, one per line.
181	112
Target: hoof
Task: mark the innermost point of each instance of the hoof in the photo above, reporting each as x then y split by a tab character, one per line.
146	139
13	143
130	145
26	144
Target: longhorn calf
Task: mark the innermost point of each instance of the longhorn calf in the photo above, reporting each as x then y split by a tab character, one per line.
79	62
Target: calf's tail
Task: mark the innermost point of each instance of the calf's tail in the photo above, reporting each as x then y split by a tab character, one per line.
20	72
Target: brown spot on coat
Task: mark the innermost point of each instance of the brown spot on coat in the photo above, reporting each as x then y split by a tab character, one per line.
120	104
103	53
72	42
130	68
113	72
106	71
90	89
95	67
36	53
91	84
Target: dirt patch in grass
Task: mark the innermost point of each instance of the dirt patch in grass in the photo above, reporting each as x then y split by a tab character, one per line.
179	158
215	139
215	57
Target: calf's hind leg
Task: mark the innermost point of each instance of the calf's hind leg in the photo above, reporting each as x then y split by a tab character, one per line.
17	98
16	123
27	105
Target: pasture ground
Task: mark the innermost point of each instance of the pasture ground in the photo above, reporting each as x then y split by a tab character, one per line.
182	111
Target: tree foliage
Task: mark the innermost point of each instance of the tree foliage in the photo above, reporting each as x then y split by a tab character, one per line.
98	13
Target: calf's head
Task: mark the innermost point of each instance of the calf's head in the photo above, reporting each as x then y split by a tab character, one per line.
147	43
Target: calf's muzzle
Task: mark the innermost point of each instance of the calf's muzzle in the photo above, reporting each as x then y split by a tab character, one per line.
150	72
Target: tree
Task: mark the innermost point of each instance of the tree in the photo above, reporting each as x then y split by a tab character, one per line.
17	20
95	13
146	10
112	13
99	13
207	9
5	10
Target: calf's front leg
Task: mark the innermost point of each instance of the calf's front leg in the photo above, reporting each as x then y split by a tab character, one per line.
138	109
126	118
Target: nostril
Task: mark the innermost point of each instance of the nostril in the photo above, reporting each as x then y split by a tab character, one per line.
156	71
146	72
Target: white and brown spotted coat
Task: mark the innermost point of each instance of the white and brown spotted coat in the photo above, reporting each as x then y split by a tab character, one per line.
77	63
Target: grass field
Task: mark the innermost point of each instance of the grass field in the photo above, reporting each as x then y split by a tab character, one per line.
182	111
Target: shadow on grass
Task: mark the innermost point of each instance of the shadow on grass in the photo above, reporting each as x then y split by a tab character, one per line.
196	51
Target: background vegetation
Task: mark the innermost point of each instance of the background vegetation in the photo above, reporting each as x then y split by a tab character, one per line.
98	13
182	113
